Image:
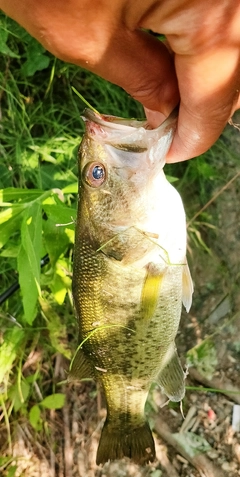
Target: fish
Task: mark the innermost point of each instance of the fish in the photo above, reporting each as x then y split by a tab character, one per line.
130	276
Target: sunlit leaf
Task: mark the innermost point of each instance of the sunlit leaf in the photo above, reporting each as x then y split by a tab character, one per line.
9	350
29	260
59	289
71	188
9	228
35	417
10	212
54	401
61	281
12	193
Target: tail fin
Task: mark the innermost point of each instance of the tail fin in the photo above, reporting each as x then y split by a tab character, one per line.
135	443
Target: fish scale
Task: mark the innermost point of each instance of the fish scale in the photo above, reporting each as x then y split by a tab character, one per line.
130	277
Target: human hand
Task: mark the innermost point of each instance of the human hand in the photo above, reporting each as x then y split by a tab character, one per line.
105	37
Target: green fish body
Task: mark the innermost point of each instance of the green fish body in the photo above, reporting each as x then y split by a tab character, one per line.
130	276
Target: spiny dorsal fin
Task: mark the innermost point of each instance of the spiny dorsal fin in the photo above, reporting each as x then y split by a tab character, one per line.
187	286
80	368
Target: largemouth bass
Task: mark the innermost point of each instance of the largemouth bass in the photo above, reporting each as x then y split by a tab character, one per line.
130	276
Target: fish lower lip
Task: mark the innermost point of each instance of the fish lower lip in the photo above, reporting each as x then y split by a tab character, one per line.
151	234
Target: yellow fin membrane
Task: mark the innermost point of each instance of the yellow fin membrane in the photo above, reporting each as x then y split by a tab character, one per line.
150	293
135	443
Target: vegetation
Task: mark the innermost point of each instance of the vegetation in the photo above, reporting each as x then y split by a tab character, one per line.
40	131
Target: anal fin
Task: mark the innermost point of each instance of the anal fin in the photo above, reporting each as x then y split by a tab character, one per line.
80	367
172	379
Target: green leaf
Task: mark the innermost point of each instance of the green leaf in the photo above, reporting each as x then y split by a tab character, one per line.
10	251
13	340
55	239
29	259
204	358
12	193
4	461
29	286
61	215
171	179
8	228
36	59
12	471
59	289
4	49
19	396
54	401
156	473
192	443
71	189
57	330
11	212
35	417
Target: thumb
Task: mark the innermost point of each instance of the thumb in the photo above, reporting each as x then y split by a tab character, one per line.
209	88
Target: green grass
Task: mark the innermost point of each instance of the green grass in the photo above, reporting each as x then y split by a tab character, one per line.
40	131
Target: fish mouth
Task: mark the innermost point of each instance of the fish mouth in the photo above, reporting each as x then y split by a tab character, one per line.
130	135
113	122
116	122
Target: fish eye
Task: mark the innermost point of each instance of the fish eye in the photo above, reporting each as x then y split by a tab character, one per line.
94	174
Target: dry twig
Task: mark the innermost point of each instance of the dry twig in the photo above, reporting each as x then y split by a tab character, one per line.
68	449
200	462
161	454
225	385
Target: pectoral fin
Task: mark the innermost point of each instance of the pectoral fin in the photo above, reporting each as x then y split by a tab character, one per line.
187	286
150	292
80	367
172	378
